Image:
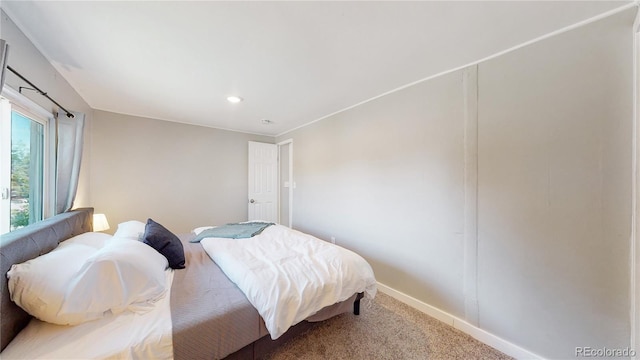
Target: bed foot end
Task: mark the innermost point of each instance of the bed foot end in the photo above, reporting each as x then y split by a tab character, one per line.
356	304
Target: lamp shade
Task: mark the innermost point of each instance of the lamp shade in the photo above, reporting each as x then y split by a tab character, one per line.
100	222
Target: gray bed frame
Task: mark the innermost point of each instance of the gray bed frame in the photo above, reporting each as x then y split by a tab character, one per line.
25	244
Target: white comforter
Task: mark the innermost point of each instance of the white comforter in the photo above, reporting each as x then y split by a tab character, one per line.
288	275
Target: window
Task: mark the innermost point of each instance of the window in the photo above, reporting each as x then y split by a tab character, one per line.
25	161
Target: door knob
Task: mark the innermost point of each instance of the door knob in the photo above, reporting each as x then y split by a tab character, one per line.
252	201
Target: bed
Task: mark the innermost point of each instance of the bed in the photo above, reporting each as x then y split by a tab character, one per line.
207	314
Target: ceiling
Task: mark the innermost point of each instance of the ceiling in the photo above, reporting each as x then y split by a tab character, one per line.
292	62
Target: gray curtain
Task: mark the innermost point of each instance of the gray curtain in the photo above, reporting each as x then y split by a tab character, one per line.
68	158
36	179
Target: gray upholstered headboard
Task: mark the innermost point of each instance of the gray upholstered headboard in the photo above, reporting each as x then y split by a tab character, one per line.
27	243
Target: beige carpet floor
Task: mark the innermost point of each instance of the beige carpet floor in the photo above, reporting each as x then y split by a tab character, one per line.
385	329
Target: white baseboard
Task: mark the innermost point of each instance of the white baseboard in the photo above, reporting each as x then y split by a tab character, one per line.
474	331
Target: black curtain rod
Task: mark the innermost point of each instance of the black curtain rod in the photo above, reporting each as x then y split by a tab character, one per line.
69	115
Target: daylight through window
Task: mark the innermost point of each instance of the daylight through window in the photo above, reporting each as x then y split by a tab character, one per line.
24	163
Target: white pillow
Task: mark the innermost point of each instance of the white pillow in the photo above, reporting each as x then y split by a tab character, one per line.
78	282
93	239
131	229
38	285
123	275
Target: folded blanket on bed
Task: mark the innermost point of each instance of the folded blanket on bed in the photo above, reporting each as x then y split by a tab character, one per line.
288	275
234	231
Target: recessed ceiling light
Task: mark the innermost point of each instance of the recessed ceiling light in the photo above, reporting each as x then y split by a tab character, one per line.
234	99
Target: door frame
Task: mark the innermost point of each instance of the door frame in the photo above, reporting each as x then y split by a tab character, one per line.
635	199
289	143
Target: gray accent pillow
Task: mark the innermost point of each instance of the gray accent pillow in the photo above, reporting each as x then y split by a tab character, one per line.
165	242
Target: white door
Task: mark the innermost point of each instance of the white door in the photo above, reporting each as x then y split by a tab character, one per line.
263	181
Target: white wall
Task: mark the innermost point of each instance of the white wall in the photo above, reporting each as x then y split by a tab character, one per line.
386	179
550	261
555	156
182	176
